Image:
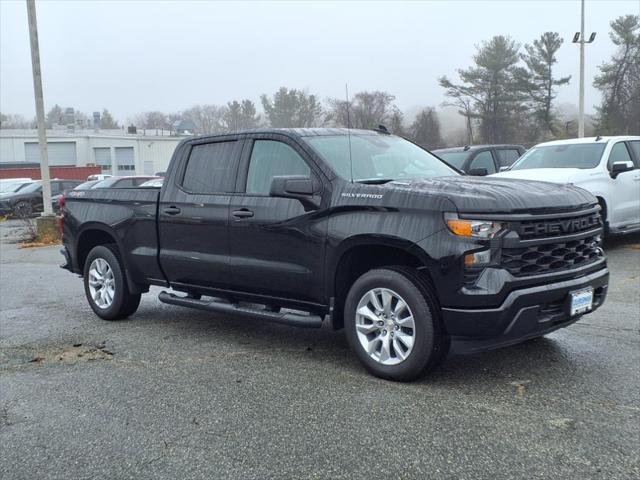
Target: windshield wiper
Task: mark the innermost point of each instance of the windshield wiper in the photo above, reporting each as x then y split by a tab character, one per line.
375	181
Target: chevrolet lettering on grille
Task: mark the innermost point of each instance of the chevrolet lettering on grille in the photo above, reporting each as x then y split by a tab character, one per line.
561	226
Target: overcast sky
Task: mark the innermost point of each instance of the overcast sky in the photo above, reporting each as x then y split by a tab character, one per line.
131	56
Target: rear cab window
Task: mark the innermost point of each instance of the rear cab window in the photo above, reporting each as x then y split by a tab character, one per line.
210	168
507	156
483	160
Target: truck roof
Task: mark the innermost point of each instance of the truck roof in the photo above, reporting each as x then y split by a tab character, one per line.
469	148
301	132
573	141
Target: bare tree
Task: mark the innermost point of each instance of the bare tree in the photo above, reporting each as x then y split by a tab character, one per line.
11	121
209	119
366	110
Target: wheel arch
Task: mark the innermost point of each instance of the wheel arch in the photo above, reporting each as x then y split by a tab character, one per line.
95	234
359	254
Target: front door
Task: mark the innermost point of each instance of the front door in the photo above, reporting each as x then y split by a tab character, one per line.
624	189
277	244
194	214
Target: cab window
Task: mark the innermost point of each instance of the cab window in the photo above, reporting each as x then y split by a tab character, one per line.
619	153
484	160
270	159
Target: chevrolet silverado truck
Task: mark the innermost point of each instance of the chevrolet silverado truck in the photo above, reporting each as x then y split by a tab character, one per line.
358	229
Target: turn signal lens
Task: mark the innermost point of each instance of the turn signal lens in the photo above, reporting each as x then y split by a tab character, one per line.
472	228
460	227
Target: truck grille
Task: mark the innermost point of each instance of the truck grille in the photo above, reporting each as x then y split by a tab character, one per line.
551	257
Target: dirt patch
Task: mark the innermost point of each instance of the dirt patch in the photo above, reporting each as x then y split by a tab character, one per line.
73	354
45	243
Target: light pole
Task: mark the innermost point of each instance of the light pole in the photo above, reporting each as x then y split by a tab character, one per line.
579	38
37	88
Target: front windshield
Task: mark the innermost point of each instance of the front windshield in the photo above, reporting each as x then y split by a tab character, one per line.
456	159
10	187
378	157
577	155
32	187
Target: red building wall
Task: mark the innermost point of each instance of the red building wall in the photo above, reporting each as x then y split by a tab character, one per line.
68	173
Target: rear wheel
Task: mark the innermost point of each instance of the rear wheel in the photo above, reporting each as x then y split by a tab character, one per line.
392	324
105	285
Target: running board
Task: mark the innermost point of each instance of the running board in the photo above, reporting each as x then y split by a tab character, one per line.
217	306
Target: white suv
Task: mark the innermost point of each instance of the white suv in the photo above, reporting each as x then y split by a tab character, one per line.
608	167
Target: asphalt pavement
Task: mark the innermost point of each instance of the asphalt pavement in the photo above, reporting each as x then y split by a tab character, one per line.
173	393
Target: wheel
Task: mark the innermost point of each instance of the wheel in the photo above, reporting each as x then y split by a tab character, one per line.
23	210
105	284
392	324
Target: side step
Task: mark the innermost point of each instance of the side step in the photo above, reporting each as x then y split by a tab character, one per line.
217	306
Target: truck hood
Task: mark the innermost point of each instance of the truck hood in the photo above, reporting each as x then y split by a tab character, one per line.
555	175
494	195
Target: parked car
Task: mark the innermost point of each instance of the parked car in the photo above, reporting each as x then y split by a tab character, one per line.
98	176
361	228
124	182
156	182
481	159
11	186
28	200
57	201
608	167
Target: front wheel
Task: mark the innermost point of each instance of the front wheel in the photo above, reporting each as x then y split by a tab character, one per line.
106	286
23	209
392	324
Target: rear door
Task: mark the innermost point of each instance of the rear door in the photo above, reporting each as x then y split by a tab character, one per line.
506	156
193	213
277	244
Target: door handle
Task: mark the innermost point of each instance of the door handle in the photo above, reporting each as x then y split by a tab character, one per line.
172	210
242	213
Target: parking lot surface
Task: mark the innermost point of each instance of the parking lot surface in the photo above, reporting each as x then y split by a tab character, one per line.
175	393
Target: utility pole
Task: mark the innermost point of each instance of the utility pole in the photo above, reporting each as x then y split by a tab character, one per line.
579	38
37	89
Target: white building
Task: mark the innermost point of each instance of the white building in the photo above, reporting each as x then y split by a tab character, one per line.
117	152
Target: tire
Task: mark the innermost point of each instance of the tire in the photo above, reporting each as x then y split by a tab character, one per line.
429	345
108	276
23	210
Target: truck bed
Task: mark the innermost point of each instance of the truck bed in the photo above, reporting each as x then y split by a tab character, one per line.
129	215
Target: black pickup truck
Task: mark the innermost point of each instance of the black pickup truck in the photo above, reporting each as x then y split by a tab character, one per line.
361	229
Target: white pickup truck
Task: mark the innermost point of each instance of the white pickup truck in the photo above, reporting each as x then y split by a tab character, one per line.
608	167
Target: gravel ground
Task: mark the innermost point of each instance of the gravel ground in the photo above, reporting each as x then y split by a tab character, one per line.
174	393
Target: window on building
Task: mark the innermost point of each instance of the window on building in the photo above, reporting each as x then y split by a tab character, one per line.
125	159
208	168
270	159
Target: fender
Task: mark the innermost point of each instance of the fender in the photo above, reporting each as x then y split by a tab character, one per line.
92	226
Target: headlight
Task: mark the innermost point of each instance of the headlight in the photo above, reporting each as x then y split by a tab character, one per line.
472	228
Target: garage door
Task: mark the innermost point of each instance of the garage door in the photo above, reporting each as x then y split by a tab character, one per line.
103	158
60	153
124	159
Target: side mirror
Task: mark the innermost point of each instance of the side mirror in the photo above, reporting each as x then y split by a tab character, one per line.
620	167
478	172
504	168
298	187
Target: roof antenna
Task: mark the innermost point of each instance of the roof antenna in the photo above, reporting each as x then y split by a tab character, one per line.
346	89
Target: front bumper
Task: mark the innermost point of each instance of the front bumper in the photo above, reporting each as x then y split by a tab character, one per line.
525	313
